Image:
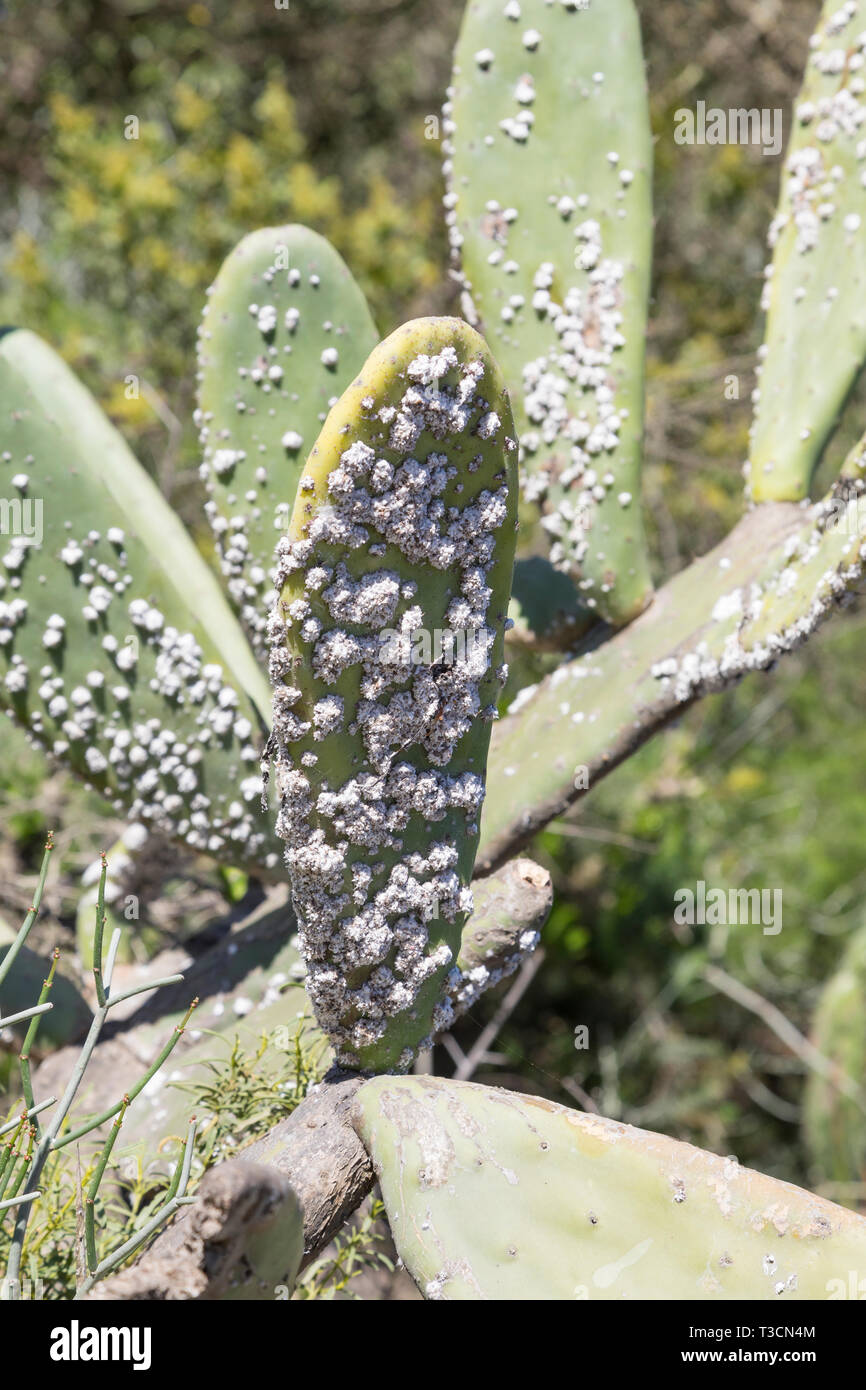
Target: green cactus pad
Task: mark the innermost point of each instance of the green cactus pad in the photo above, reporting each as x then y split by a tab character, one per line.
546	609
284	330
761	593
387	660
834	1123
118	652
492	1195
815	339
272	1255
549	169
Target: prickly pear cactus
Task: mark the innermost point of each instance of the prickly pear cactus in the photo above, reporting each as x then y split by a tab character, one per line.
815	342
285	329
549	166
118	651
765	589
491	1195
834	1124
387	661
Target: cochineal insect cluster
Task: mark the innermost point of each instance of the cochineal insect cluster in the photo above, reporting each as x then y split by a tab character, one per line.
404	524
117	649
284	330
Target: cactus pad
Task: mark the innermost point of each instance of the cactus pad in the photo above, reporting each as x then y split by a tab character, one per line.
548	161
387	661
815	340
118	652
284	330
492	1195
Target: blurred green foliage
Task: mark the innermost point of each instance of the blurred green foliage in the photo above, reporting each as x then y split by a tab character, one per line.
141	142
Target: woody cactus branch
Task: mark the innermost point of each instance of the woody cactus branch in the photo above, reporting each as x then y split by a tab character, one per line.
243	1240
510	909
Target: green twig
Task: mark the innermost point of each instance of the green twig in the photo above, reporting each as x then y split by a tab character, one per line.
24	1166
97	935
175	1200
9	1290
24	1059
20	1200
7	1159
108	973
90	1202
8	959
142	989
136	1089
24	1014
36	1110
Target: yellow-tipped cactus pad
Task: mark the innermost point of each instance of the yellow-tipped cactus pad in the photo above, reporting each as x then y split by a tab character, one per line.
387	662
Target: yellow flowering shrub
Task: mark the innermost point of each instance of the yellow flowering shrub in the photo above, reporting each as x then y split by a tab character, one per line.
144	203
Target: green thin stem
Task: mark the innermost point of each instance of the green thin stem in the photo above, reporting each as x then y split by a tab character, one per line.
20	1200
113	947
9	958
47	1142
24	1014
167	1210
36	1110
24	1167
180	1177
97	934
24	1059
90	1202
7	1161
136	1089
142	989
